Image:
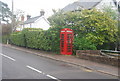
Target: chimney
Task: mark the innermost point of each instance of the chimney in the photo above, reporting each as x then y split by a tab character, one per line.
28	17
22	18
42	12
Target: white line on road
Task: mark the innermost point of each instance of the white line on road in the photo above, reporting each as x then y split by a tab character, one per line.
7	57
34	69
52	77
42	73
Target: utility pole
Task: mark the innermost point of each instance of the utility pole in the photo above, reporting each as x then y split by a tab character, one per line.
12	15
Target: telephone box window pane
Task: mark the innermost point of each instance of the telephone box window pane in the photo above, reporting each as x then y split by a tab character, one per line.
68	31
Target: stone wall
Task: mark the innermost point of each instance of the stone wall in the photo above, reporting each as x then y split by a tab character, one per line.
94	55
92	52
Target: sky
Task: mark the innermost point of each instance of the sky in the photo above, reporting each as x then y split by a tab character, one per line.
33	7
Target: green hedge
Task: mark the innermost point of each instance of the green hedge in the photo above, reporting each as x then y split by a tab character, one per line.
17	39
48	40
83	44
33	38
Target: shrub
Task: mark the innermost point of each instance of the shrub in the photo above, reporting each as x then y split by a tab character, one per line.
17	38
37	38
31	38
94	25
92	29
83	44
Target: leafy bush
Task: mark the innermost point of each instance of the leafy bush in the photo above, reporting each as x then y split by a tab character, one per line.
83	44
31	37
91	28
94	25
36	38
17	38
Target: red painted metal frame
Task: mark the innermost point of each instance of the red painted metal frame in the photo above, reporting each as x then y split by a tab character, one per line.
66	41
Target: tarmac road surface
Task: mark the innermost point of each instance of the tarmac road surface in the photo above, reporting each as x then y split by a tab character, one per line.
17	64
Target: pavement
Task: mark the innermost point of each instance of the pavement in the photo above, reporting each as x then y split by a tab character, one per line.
73	60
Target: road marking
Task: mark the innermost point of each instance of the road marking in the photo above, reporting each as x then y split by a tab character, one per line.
7	57
34	69
42	73
52	77
87	70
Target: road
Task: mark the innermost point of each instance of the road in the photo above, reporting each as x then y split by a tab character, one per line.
18	64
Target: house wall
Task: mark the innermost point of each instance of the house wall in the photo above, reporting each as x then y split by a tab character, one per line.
41	23
19	27
27	26
105	3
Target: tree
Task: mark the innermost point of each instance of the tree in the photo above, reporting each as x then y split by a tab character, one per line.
16	20
114	14
111	12
99	28
93	25
5	13
6	29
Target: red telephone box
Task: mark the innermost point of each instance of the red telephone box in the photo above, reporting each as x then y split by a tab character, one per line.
66	40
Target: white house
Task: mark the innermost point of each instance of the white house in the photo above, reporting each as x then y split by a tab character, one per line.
35	22
104	3
90	4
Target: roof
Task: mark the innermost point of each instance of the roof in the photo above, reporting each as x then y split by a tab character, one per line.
119	3
32	20
86	4
116	1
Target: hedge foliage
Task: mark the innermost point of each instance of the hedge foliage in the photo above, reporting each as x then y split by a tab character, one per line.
95	26
17	38
48	40
83	44
37	38
91	28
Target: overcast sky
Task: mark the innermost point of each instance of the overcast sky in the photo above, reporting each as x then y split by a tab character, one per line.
33	7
